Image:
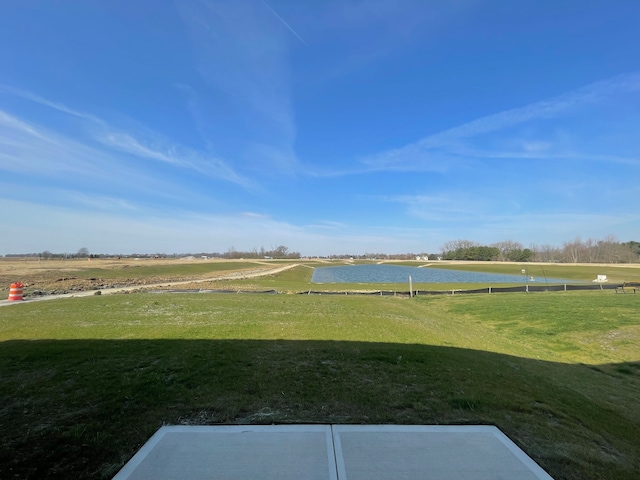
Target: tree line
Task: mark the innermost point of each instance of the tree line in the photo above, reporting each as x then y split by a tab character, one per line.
280	252
607	250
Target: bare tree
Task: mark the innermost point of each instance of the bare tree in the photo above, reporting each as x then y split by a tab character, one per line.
572	252
453	245
547	253
507	248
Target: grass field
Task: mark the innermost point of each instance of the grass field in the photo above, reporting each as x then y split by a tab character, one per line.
84	382
615	273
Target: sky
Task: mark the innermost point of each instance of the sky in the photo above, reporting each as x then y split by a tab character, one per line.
329	127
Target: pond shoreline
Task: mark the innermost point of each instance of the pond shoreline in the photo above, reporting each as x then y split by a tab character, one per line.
384	273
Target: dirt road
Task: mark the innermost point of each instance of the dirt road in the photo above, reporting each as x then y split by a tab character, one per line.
154	286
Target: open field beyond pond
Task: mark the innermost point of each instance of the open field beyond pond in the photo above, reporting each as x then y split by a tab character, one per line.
84	382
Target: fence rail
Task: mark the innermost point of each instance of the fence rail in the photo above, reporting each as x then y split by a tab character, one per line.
627	287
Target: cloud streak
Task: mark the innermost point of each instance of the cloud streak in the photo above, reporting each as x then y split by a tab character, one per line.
243	57
284	22
174	155
454	145
157	148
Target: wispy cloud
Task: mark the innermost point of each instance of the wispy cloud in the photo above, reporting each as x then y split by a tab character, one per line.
98	202
97	221
25	147
284	22
173	155
43	166
455	206
507	214
156	230
7	89
467	141
367	32
535	227
243	56
143	144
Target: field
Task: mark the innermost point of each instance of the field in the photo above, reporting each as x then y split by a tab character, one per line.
84	382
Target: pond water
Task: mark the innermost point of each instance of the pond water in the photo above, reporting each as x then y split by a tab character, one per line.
400	274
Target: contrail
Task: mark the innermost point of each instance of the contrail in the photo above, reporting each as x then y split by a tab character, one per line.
284	23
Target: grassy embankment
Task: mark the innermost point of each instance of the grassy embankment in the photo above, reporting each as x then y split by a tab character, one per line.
84	382
619	273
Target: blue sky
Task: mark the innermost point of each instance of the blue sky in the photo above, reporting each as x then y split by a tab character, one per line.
337	126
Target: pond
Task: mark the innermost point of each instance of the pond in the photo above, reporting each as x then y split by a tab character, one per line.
400	274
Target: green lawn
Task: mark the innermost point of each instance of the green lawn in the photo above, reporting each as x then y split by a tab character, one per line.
615	273
85	382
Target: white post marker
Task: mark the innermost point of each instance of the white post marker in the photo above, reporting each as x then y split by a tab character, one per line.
410	287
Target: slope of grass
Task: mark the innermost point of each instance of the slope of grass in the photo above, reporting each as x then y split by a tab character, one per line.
615	273
84	382
588	327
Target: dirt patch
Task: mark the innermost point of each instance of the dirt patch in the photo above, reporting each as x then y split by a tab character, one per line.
56	277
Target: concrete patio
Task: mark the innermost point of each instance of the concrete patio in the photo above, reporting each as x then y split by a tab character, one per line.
331	452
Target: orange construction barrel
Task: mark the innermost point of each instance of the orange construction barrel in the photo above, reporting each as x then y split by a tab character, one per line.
16	292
